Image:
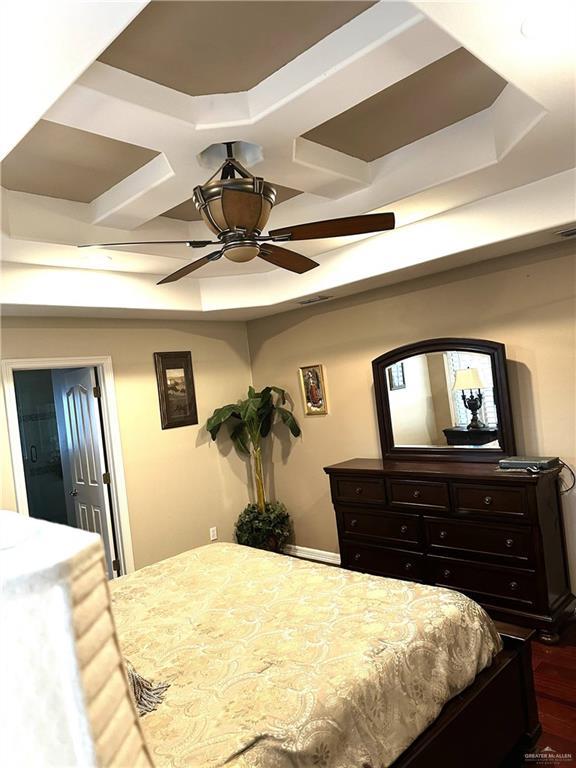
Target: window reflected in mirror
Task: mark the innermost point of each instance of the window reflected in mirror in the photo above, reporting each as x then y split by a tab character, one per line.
443	399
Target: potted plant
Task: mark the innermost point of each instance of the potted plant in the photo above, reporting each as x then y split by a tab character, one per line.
265	524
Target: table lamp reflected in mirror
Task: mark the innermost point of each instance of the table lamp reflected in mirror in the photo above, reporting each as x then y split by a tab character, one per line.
469	379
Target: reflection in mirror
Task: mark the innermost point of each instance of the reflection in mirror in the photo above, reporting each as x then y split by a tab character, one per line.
443	399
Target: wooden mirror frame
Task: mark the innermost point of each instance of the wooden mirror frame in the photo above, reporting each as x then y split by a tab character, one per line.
497	354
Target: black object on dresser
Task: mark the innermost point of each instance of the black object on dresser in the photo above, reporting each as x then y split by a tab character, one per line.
465	436
494	535
448	515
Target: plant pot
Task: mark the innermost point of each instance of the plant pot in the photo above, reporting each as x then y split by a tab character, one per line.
269	530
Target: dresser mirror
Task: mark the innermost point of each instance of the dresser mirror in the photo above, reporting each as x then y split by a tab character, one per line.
446	398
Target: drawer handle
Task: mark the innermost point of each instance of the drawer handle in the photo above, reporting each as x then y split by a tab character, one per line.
408	566
353	523
487	500
509	543
357	556
358	491
443	534
446	573
403	529
417	493
514	586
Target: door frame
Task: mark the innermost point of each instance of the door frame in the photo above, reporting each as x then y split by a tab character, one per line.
103	364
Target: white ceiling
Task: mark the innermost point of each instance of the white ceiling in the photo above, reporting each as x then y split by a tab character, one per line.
498	178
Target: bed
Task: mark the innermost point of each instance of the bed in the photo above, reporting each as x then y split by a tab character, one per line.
276	662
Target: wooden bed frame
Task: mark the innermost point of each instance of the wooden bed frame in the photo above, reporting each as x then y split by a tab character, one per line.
493	722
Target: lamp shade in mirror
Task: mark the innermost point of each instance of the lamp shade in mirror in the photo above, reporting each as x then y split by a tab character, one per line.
468	378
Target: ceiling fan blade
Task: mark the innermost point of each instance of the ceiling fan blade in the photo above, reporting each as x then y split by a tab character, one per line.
189	243
190	267
282	257
349	225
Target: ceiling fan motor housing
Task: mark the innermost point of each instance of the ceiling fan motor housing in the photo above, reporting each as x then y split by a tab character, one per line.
235	202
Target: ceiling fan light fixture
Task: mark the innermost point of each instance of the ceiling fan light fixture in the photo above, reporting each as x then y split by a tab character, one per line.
233	199
242	251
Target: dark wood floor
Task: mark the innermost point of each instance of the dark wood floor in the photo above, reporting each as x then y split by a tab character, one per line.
555	678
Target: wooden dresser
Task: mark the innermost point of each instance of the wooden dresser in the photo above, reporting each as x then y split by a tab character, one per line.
496	536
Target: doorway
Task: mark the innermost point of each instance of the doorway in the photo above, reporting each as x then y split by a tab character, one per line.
66	451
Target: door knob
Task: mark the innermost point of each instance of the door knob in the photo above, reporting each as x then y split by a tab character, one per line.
73	492
417	493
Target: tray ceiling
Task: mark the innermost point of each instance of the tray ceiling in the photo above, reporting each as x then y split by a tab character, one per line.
59	161
393	106
446	91
222	47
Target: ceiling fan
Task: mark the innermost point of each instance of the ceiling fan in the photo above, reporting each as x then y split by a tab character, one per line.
235	206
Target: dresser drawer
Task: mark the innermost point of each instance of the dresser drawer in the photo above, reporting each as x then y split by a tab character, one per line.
486	583
418	493
400	529
380	561
479	538
490	500
360	489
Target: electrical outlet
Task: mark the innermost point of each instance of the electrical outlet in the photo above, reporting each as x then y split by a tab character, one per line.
213	534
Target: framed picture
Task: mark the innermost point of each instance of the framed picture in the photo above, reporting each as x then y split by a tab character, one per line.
396	378
313	390
175	389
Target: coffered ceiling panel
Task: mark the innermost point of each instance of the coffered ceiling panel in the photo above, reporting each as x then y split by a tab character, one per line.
187	211
445	92
58	161
223	47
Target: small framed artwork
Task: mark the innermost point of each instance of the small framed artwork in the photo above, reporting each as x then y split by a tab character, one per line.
313	390
396	378
175	389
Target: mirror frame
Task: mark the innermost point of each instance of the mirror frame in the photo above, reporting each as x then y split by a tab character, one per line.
497	352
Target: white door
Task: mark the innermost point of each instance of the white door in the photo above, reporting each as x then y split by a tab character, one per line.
83	460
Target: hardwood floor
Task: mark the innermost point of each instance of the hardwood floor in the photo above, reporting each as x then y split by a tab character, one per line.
555	679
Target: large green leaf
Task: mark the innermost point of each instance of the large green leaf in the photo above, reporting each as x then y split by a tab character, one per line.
249	408
220	416
280	392
265	411
288	419
240	438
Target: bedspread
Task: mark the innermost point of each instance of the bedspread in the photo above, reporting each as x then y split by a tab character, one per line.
276	662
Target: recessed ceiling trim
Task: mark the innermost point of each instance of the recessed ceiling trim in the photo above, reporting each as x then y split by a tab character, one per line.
57	160
195	47
446	91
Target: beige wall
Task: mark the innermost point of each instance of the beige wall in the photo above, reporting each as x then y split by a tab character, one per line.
178	483
525	301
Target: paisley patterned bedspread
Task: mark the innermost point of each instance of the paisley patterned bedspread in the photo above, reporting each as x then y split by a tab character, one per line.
276	662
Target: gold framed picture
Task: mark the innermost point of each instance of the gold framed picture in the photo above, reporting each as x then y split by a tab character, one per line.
313	390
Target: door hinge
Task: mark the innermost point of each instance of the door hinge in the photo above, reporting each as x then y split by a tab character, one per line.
96	391
116	566
106	478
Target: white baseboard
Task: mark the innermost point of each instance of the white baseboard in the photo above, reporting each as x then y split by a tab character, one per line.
319	555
